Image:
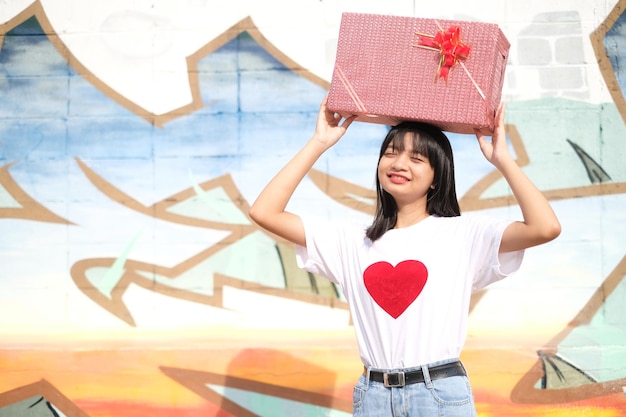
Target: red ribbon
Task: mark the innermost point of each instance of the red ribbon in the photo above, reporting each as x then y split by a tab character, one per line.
449	45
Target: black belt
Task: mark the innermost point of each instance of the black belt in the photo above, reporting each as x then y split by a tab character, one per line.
400	379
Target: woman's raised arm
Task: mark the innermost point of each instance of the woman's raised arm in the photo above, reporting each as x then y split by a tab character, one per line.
268	211
540	224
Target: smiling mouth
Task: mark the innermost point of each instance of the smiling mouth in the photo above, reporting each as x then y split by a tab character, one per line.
398	179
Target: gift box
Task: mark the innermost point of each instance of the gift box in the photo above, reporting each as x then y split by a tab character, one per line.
390	69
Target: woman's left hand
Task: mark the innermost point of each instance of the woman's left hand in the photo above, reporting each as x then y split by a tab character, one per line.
496	149
540	224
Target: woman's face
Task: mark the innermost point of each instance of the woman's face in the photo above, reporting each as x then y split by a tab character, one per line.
405	174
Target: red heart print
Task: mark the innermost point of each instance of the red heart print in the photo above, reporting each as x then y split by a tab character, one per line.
395	288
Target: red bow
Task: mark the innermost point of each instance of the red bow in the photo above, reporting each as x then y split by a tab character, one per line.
450	47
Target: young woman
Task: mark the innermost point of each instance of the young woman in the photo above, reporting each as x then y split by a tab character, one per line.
408	277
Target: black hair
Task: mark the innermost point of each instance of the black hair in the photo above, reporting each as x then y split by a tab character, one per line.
431	142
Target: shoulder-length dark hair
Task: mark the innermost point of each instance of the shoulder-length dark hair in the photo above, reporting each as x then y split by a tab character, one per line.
431	142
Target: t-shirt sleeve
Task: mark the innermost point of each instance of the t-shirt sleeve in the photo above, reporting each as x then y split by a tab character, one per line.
324	245
494	265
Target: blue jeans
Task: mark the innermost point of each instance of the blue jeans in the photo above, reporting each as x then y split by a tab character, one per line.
449	397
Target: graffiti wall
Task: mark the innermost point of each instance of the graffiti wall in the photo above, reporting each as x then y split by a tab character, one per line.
135	135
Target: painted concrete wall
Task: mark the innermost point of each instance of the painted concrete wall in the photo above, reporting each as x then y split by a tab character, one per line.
134	136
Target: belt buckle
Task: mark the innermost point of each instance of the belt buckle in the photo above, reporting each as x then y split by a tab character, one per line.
394	379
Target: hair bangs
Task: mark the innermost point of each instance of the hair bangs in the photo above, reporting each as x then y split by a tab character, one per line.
422	144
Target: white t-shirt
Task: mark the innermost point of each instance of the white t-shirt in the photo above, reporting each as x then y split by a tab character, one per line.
409	291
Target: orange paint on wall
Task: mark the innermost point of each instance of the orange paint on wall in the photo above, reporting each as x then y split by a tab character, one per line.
113	378
131	409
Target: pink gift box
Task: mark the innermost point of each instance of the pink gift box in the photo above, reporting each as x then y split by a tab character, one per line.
389	69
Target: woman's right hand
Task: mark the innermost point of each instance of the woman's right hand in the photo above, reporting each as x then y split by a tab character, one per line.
330	126
268	211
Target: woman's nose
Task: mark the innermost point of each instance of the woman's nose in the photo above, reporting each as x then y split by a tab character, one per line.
400	161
